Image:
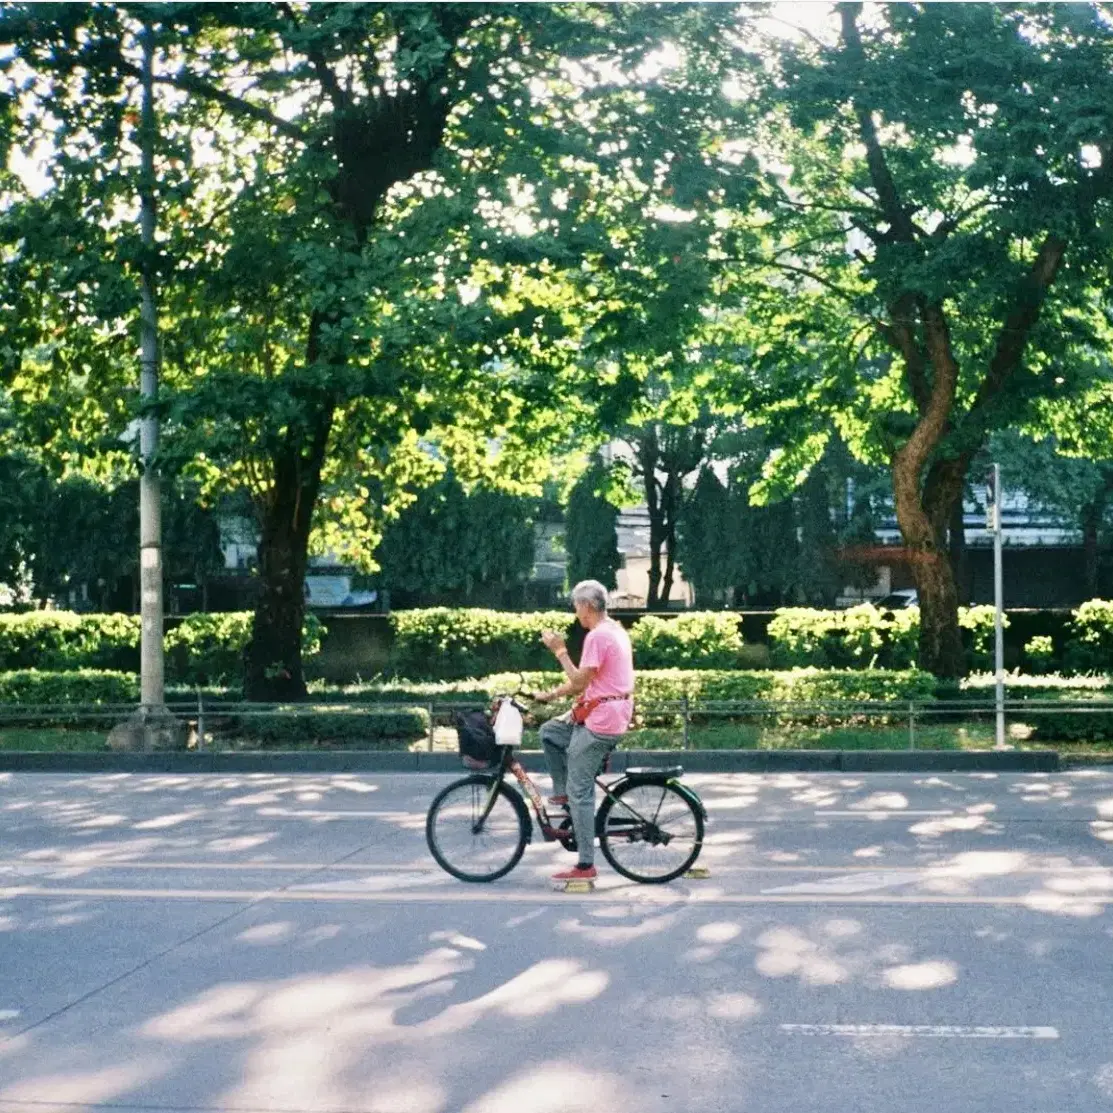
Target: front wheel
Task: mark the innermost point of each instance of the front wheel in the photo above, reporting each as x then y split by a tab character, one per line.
477	829
650	832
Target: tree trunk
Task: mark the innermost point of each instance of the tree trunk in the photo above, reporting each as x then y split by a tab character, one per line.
1093	514
273	666
647	461
671	510
940	638
1091	520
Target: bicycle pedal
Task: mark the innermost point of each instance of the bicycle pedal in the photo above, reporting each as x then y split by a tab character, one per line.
698	873
574	886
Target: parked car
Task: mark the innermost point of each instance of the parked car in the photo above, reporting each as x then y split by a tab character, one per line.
899	600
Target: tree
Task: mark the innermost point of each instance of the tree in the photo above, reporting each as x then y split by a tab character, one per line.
457	547
590	536
393	257
1078	491
705	553
937	252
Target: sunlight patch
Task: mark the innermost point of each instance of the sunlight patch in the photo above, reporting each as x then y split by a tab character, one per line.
922	975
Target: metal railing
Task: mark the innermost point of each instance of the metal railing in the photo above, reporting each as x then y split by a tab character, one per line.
675	724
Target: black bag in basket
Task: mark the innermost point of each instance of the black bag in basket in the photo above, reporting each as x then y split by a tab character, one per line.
478	748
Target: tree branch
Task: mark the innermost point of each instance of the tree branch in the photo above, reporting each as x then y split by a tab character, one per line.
197	86
341	101
1013	336
882	179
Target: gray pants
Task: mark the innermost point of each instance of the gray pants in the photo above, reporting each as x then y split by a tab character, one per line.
574	754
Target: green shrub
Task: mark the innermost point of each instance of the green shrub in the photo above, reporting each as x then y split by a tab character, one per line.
444	643
1088	724
200	649
865	637
981	624
858	637
208	648
76	686
1039	654
703	687
57	640
1090	644
695	640
350	727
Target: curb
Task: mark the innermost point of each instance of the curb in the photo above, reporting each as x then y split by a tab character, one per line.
693	761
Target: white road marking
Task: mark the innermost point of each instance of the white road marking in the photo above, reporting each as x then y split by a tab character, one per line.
372	884
8	1014
310	813
625	894
876	813
930	1031
853	882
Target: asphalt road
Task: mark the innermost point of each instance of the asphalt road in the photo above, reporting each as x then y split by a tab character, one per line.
284	943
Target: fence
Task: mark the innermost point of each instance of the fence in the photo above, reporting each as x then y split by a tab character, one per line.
679	724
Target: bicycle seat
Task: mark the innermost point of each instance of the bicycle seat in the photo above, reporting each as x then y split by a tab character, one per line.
654	772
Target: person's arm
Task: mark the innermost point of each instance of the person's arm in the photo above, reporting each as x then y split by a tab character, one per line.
578	678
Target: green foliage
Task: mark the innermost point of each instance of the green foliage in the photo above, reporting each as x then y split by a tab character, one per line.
1090	646
209	648
445	644
864	636
1090	722
56	640
705	551
351	727
1039	654
76	686
691	640
858	637
200	649
590	538
793	685
979	622
455	547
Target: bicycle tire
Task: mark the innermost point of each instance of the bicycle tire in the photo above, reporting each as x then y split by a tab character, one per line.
619	832
469	795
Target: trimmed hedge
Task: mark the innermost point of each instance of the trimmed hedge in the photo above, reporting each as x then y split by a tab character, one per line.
693	640
865	637
858	637
54	640
77	686
1049	725
200	649
1090	646
209	648
443	643
351	727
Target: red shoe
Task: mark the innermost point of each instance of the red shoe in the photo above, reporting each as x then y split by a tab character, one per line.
577	873
558	801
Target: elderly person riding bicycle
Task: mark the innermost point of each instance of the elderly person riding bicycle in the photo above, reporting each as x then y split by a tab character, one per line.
577	742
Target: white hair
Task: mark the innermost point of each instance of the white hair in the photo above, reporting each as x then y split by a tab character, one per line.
591	592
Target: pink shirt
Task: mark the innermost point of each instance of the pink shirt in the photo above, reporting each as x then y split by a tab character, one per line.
607	648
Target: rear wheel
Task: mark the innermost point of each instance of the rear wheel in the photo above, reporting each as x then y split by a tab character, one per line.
472	836
650	832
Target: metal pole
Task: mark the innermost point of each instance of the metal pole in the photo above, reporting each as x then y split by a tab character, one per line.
911	725
685	708
431	728
999	605
152	691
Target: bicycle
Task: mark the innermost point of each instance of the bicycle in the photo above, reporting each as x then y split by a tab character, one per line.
650	824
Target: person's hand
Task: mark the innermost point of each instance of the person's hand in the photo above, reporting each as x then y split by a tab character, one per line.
542	697
553	641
